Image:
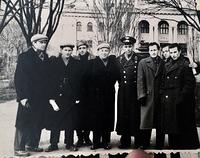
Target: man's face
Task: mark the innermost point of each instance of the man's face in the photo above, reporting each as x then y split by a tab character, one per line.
103	53
40	45
66	52
153	51
174	53
165	52
82	49
127	48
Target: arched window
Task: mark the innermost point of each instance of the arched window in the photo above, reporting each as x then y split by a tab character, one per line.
144	26
78	26
89	27
182	28
163	27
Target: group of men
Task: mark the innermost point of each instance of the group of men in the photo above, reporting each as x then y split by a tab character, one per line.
77	93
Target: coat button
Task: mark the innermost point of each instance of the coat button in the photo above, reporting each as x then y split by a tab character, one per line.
135	66
124	76
176	77
167	77
125	81
134	71
124	72
166	96
60	94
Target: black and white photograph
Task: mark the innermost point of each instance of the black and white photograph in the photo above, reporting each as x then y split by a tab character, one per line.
100	78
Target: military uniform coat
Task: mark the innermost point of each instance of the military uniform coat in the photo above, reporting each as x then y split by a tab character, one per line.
128	109
66	93
31	82
102	97
148	85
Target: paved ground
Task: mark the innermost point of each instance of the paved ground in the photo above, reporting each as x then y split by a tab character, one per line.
7	129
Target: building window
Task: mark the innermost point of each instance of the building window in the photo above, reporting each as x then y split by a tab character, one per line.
144	26
101	27
182	28
183	47
79	26
163	27
89	27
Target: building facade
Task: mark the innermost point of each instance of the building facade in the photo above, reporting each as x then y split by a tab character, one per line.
164	26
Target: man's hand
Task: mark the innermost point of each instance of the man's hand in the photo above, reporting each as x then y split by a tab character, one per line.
54	105
23	102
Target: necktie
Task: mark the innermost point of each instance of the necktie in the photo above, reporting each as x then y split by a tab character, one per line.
41	56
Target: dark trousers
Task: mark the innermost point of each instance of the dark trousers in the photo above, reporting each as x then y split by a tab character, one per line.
141	139
101	137
145	138
184	140
125	140
26	136
83	134
21	139
34	137
160	140
55	137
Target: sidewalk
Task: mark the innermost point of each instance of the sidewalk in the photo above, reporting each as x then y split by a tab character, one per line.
7	122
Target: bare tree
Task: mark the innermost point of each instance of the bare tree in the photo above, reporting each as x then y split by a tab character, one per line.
7	13
114	18
28	14
187	8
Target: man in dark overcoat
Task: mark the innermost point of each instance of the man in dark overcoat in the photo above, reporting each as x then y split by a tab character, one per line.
128	109
150	71
178	102
105	73
66	87
86	61
31	82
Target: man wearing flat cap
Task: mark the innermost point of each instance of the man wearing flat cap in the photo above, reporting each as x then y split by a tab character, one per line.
86	61
105	73
128	116
32	87
66	87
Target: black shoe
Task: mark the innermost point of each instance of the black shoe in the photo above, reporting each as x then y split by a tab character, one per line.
107	146
22	153
124	146
51	148
143	147
71	147
95	146
88	142
36	149
79	143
